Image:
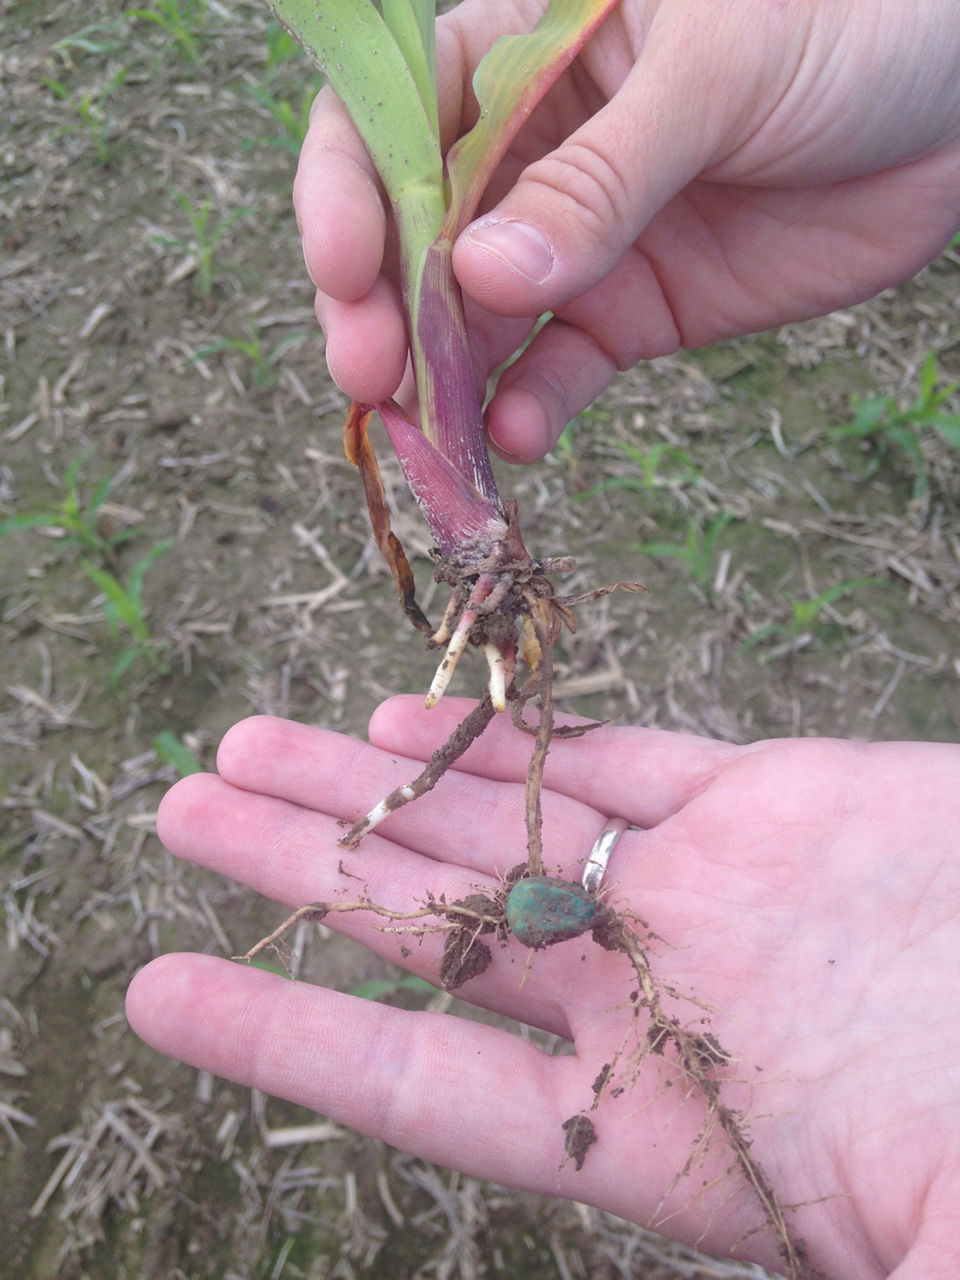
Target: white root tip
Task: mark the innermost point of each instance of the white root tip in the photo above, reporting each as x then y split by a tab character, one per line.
497	684
378	813
458	642
444	631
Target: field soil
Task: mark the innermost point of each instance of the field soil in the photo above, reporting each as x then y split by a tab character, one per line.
182	544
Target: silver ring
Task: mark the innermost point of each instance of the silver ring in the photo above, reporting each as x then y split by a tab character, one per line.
596	863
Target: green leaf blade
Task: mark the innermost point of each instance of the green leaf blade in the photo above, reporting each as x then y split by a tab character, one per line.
172	751
33	520
948	427
354	48
508	84
411	23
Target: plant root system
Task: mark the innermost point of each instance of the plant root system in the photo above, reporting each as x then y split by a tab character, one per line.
502	603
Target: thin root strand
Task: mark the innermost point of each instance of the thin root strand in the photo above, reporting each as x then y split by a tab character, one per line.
465	733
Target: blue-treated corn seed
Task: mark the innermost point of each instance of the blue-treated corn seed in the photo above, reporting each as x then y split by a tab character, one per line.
544	910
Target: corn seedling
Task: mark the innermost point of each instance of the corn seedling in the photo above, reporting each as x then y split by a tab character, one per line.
89	115
281	46
172	751
124	611
184	21
697	549
805	615
263	360
502	602
292	118
381	64
204	238
98	38
881	421
76	518
649	477
565	447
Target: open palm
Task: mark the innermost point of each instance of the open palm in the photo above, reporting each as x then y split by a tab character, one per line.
808	892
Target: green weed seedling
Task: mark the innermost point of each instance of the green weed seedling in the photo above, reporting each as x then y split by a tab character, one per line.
184	21
263	360
204	239
805	614
124	611
882	421
76	516
89	114
698	548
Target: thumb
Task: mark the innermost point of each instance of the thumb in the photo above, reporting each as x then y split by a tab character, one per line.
694	90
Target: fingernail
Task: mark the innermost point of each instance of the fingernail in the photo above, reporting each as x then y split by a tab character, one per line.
521	247
505	455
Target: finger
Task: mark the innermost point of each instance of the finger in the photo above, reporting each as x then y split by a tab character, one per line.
576	356
561	372
458	1093
643	775
338	204
473	822
464	1095
289	852
421	1082
366	342
574	212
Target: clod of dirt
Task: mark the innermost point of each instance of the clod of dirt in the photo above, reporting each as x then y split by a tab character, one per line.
543	910
475	908
581	1135
609	933
464	957
602	1079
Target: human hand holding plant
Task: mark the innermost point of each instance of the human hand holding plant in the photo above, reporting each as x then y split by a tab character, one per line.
839	1061
696	174
810	890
